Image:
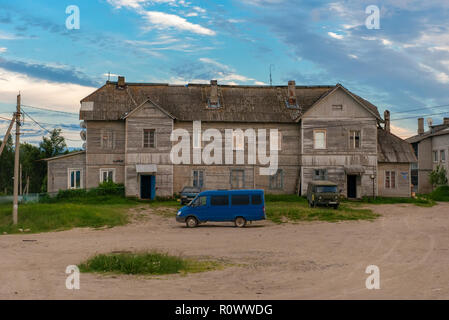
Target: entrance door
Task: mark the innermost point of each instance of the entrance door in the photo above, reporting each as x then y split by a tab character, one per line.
352	186
147	187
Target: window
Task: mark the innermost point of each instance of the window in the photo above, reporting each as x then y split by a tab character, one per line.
75	179
435	156
200	201
237	179
149	138
219	200
354	139
277	180
390	179
240	200
443	156
198	178
320	174
238	140
337	107
319	139
107	139
256	199
107	175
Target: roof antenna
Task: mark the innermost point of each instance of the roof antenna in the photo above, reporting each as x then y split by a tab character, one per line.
109	76
271	78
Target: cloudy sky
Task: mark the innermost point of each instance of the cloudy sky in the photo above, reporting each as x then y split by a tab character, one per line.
403	66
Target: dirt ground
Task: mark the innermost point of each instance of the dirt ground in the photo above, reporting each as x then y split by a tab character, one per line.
317	260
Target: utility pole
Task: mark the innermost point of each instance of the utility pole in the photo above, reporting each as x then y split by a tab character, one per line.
16	165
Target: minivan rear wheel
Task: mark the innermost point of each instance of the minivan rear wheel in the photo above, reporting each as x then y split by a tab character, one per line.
240	222
191	222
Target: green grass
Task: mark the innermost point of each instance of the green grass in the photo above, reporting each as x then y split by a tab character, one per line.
146	263
440	194
419	201
107	211
282	208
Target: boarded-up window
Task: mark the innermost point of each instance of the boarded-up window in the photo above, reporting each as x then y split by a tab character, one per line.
390	179
277	180
319	139
149	138
237	179
354	139
198	178
337	107
107	139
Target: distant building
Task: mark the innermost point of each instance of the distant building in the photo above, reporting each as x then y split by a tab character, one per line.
326	133
432	149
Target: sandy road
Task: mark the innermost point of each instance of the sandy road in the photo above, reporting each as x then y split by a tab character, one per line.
316	260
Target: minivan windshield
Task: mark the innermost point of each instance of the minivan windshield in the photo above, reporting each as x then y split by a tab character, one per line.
326	189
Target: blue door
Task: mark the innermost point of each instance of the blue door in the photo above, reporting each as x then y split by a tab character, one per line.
147	187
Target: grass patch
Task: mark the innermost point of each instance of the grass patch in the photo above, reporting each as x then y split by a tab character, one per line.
151	263
440	194
418	201
292	208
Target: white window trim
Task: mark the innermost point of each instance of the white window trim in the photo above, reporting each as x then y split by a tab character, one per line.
106	170
325	139
391	173
69	171
442	153
143	139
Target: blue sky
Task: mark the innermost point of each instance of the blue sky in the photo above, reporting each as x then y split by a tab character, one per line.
402	66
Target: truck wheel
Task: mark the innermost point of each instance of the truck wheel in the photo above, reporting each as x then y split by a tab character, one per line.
240	222
191	222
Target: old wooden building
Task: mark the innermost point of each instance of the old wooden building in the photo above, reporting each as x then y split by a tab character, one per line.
324	132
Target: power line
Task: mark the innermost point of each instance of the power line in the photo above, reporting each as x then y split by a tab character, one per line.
423	107
52	110
42	127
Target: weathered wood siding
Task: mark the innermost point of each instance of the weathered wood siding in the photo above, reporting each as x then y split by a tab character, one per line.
58	171
101	155
219	176
403	182
149	117
337	155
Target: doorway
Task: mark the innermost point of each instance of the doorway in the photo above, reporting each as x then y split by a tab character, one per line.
352	186
147	187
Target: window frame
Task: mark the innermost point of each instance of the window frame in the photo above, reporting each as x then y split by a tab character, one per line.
337	107
391	177
203	173
110	138
69	178
148	131
325	175
274	182
231	175
352	139
102	170
315	131
435	156
443	156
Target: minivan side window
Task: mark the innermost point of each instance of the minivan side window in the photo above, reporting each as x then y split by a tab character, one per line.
219	200
240	200
256	199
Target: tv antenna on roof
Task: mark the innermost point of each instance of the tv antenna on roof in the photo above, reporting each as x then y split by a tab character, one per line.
109	76
271	78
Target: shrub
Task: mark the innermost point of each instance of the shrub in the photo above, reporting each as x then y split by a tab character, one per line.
438	177
440	194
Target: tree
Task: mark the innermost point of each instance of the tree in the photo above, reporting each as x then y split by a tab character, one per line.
54	145
7	167
438	177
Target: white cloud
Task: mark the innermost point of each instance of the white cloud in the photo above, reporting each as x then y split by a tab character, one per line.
3	49
161	20
353	56
259	83
402	132
335	35
440	76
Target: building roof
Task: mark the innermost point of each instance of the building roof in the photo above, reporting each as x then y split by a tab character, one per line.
190	102
435	131
391	148
64	155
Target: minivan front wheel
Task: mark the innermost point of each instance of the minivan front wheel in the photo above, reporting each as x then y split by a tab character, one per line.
240	222
191	222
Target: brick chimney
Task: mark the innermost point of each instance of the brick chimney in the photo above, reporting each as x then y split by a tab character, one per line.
213	98
121	81
446	121
420	125
387	120
292	93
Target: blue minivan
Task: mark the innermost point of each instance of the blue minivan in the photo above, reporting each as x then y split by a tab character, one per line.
239	206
